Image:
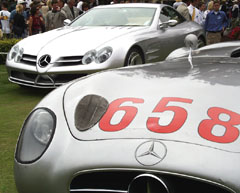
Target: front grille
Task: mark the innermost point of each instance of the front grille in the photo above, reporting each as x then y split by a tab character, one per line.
29	59
119	181
62	61
42	80
69	61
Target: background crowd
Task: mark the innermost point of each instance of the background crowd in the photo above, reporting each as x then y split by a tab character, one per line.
220	19
22	18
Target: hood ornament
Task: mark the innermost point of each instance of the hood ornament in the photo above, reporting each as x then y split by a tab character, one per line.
150	153
191	42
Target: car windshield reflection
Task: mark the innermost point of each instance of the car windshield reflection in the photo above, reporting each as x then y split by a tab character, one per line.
116	17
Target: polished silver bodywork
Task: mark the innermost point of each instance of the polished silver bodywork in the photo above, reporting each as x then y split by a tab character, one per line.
135	149
66	46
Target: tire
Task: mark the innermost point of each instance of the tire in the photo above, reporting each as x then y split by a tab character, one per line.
134	57
201	43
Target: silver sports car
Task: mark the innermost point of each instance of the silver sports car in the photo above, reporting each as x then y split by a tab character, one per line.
105	37
166	127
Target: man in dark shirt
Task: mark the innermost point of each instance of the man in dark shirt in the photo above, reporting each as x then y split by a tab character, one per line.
215	24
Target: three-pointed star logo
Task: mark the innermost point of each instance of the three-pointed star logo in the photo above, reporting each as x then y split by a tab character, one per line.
150	153
44	60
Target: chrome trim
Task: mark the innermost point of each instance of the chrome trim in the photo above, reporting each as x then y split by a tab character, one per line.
155	172
97	190
70	60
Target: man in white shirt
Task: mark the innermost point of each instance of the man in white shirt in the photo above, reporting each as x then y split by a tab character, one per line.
5	17
194	12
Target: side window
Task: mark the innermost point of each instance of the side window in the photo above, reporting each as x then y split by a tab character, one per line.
168	13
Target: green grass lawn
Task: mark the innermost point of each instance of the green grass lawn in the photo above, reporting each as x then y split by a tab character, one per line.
15	104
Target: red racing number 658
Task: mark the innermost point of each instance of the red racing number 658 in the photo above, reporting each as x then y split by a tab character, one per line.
205	128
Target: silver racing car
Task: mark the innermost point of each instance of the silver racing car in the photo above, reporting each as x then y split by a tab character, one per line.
105	37
167	127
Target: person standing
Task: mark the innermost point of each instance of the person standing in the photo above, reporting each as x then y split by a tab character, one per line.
55	17
202	17
17	21
36	21
5	20
85	7
45	8
215	24
71	12
209	8
177	3
183	10
194	11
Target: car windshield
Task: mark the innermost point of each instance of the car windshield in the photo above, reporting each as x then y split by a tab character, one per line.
129	16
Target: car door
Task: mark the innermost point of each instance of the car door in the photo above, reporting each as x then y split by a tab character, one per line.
168	38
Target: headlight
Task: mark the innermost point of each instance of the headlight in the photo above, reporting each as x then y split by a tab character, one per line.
36	135
98	57
89	57
15	53
103	54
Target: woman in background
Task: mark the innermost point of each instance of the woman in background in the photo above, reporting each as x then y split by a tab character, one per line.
36	21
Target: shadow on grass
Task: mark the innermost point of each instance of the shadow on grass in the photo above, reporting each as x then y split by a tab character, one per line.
29	91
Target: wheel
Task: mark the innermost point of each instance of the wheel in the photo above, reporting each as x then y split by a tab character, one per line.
201	42
134	57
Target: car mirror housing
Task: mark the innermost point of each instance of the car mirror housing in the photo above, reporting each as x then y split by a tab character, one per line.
66	22
171	22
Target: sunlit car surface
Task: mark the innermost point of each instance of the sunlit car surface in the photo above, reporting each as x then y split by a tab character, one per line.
168	127
105	37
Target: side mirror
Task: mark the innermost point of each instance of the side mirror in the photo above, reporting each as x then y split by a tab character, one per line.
66	22
171	22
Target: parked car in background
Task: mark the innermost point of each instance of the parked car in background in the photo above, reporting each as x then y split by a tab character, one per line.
105	37
170	126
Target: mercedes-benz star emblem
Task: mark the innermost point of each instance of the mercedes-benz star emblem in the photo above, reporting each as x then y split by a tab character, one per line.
44	60
150	153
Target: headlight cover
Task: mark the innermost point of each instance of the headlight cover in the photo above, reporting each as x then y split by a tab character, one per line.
89	57
15	53
36	135
97	56
103	54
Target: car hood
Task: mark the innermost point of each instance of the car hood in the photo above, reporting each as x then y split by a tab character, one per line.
73	40
185	98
